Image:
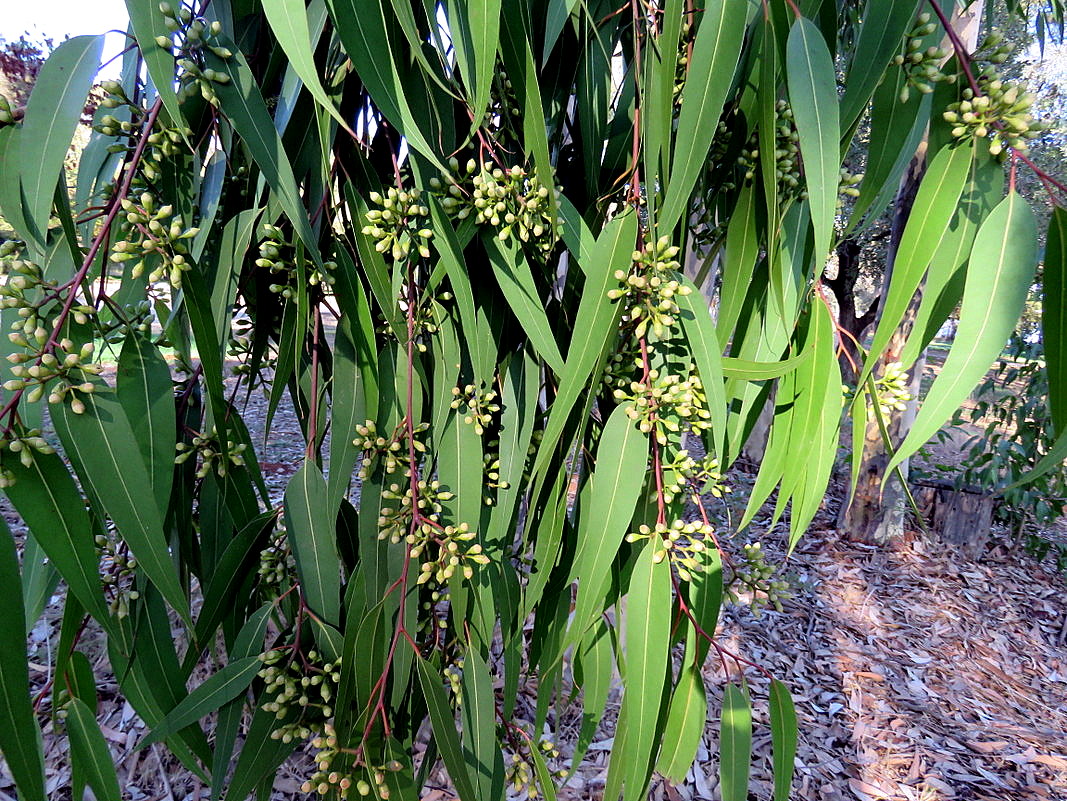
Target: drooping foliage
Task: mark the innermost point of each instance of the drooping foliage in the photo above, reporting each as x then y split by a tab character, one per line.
476	246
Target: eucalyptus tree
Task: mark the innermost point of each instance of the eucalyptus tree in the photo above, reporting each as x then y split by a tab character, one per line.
448	234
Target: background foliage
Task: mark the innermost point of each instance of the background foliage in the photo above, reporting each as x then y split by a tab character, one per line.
454	235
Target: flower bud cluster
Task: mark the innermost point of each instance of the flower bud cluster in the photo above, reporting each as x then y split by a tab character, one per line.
27	444
650	287
481	406
398	223
338	772
921	65
681	542
66	362
117	568
504	103
491	471
682	474
189	36
387	451
1001	111
847	183
415	519
154	234
454	676
786	154
752	578
33	296
519	772
277	566
7	117
893	389
278	255
299	685
513	201
666	403
162	143
207	446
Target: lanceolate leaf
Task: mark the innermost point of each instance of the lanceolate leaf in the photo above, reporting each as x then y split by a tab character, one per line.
147	396
481	751
516	282
648	631
879	39
594	326
813	98
215	691
708	80
289	23
998	279
783	738
52	114
20	739
685	725
735	744
148	22
101	443
361	26
739	261
46	497
90	752
935	205
443	722
243	103
615	489
707	355
310	523
1054	316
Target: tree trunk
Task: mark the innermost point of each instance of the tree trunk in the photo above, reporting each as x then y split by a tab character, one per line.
875	515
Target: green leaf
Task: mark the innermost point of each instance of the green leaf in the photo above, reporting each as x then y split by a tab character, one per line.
242	102
878	40
707	355
896	130
783	738
648	635
89	751
1054	316
684	727
738	262
813	98
998	280
289	23
485	763
260	756
735	744
748	370
146	394
595	325
475	30
443	723
517	285
211	694
20	739
362	28
310	523
46	497
929	219
148	22
605	514
52	114
711	67
102	446
597	665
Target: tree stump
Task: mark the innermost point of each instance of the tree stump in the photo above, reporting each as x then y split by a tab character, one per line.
960	517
